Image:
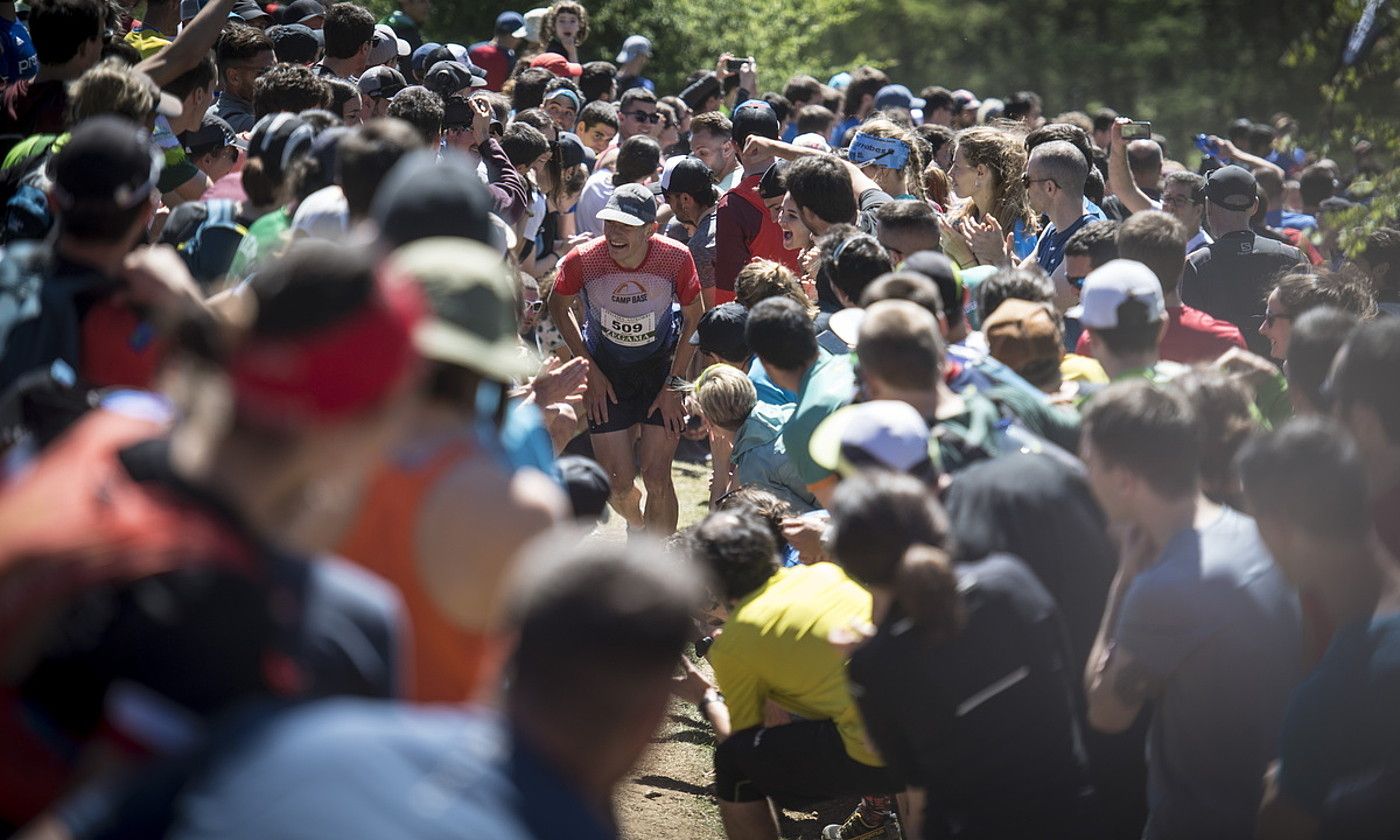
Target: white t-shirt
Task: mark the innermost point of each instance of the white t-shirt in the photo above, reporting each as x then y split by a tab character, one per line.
596	192
322	215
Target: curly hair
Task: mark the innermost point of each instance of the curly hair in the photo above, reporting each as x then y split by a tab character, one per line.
564	7
914	167
1005	156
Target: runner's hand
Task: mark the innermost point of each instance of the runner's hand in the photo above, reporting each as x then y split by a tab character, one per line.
690	685
600	393
672	410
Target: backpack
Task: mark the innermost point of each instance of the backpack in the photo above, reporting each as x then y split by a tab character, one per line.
206	235
39	322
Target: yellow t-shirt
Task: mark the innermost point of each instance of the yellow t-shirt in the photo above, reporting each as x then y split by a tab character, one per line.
774	646
148	42
1076	368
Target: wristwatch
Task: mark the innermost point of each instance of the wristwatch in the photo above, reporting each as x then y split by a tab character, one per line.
677	383
711	695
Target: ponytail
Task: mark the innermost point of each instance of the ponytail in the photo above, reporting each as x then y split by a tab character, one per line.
927	590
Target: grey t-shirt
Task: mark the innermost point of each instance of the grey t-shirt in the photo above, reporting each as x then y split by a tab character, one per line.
702	249
1216	629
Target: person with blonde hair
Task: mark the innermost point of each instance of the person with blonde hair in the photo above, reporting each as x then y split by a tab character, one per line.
749	434
891	156
986	175
763	279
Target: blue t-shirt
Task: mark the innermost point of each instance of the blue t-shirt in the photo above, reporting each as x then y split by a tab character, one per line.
17	57
1214	627
1342	722
1052	245
769	391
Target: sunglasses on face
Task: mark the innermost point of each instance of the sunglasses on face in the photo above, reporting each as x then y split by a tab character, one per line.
643	116
1027	180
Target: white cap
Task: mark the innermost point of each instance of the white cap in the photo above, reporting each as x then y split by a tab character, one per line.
812	140
1113	284
845	323
883	433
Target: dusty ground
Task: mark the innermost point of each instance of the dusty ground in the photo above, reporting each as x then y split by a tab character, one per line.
670	793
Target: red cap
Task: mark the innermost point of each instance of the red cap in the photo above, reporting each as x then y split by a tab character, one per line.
557	64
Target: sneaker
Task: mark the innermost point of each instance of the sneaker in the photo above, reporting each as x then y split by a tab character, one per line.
865	823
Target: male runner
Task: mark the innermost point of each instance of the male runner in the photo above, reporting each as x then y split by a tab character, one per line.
631	279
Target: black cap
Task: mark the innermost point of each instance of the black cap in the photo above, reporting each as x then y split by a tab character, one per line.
687	175
249	10
447	77
573	151
214	133
278	140
382	82
771	184
422	197
294	43
754	117
721	331
1232	187
108	161
300	10
587	484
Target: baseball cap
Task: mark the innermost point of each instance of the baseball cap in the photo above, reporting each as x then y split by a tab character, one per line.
771	184
422	198
839	81
588	486
385	46
531	30
964	98
630	204
558	65
754	117
572	151
471	301
294	43
1024	336
249	10
278	140
845	325
459	53
944	274
419	60
300	11
721	331
1113	285
213	133
1232	187
634	46
886	434
508	22
688	175
382	82
109	161
897	96
447	77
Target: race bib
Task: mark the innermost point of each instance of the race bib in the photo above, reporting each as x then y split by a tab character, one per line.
630	332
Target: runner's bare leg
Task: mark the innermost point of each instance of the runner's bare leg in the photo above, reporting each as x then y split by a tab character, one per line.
615	453
658	451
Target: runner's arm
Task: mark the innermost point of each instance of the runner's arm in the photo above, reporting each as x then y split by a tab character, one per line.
690	319
860	182
561	312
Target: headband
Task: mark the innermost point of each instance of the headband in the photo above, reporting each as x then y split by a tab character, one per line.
881	151
333	373
563	91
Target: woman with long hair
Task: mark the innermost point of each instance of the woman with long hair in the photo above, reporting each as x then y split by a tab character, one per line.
966	686
895	161
986	175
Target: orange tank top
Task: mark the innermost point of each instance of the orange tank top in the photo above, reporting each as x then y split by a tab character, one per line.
450	663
